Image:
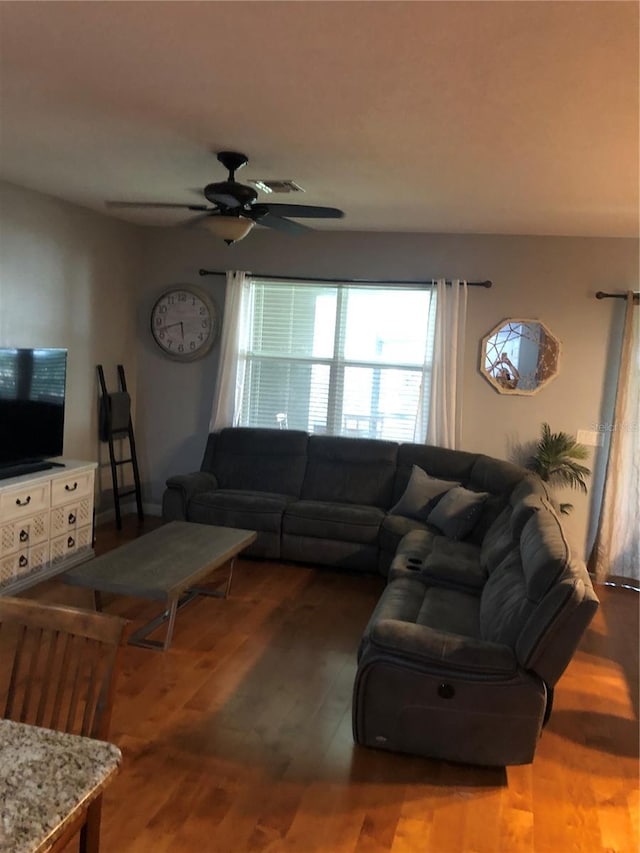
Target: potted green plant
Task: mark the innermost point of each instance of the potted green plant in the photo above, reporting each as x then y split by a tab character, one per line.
557	461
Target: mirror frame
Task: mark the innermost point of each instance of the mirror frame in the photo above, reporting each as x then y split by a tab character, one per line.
521	392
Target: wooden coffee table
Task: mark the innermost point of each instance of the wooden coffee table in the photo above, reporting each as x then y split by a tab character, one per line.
164	565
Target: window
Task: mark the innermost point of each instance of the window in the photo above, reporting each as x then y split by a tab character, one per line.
37	374
340	359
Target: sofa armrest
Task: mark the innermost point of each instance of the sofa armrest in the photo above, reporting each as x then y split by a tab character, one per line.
442	650
180	489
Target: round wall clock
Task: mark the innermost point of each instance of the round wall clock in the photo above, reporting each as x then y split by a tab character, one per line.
185	322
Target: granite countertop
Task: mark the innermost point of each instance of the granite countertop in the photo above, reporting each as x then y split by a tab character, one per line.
45	776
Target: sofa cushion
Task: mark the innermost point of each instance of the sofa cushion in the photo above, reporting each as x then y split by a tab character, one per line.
327	520
350	470
394	528
504	534
439	462
504	606
495	475
498	541
417	544
421	495
259	460
457	511
516	587
234	508
451	610
413	600
454	563
443	649
544	551
489	511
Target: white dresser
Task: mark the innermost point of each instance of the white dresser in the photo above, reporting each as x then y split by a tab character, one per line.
46	524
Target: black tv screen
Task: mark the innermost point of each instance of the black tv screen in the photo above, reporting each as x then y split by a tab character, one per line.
32	394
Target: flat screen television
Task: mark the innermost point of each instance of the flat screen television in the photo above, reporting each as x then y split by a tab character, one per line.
32	397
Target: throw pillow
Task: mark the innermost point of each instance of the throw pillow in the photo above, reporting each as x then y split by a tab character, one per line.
457	512
421	495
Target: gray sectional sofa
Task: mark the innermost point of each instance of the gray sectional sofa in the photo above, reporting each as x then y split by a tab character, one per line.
484	604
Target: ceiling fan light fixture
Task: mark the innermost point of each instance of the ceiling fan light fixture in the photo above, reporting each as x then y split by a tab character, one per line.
229	228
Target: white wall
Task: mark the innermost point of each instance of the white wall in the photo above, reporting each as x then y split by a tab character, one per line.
68	279
547	278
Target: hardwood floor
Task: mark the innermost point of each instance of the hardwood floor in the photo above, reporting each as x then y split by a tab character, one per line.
239	737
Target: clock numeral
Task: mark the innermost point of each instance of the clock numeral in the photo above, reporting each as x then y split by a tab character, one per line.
161	335
158	321
182	297
203	310
205	324
200	336
180	348
162	309
171	300
192	345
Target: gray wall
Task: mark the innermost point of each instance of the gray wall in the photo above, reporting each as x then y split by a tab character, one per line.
68	279
73	278
547	278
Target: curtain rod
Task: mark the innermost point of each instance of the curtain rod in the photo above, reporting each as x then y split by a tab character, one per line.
412	282
602	295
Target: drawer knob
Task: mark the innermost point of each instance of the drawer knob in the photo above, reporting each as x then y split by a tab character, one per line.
25	502
22	562
69	488
24	536
72	518
446	691
71	542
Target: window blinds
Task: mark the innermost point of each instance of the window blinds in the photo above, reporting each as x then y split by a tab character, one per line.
340	359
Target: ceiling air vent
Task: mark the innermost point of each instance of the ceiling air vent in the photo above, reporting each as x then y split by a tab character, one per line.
275	186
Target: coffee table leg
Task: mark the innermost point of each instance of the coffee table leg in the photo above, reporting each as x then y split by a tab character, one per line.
172	621
216	593
140	637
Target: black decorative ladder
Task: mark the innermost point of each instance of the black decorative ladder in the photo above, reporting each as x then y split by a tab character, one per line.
116	423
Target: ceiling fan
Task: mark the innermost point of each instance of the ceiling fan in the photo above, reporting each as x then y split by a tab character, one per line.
235	209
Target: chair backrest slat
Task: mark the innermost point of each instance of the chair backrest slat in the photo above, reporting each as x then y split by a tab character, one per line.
57	665
63	672
48	683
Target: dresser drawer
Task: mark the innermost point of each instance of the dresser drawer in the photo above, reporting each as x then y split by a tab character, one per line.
72	542
24	501
17	535
71	516
23	562
67	489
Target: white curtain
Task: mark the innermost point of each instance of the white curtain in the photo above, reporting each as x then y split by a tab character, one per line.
616	551
445	405
231	364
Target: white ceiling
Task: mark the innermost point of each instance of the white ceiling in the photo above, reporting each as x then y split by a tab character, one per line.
487	117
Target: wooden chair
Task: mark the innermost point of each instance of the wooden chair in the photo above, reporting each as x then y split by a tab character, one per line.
57	670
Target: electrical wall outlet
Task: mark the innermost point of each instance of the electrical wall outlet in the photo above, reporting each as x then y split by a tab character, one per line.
590	437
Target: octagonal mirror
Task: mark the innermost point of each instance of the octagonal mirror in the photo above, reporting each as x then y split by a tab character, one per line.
519	356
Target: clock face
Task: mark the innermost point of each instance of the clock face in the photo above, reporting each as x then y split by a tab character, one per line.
184	323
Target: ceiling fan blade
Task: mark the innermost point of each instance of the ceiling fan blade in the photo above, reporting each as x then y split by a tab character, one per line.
278	223
223	200
196	220
304	210
157	204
